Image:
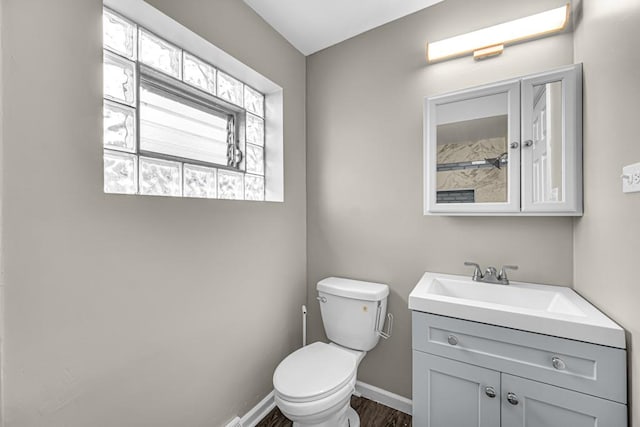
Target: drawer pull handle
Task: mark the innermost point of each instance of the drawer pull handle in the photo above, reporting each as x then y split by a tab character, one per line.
452	339
512	398
558	363
490	391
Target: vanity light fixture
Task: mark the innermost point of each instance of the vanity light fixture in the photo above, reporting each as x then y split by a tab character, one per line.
490	41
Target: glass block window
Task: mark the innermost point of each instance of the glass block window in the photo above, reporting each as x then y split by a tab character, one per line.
175	125
230	185
160	55
199	73
230	89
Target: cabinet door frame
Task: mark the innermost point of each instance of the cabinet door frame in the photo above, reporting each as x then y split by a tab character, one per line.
425	364
571	78
606	412
512	89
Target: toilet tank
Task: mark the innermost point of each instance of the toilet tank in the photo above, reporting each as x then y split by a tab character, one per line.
350	310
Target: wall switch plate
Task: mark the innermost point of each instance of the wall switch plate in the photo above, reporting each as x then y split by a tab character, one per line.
631	178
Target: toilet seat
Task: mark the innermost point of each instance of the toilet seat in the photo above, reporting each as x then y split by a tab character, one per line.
314	372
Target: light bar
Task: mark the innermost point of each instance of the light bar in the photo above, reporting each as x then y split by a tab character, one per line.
510	32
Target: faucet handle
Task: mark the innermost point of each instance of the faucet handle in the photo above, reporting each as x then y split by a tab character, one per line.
503	271
477	272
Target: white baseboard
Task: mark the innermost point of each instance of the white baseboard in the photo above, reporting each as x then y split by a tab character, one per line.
385	397
258	412
234	423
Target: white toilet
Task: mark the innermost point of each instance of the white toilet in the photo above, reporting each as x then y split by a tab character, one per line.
313	385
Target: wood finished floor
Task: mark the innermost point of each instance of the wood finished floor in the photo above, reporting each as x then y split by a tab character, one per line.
372	414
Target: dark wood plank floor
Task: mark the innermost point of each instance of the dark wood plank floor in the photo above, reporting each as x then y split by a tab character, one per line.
372	414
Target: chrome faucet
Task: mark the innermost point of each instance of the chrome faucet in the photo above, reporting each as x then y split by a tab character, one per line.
491	275
477	271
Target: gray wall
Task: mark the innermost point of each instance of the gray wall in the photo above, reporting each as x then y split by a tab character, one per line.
606	262
364	168
136	311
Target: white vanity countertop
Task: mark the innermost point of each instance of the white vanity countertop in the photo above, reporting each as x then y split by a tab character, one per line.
550	310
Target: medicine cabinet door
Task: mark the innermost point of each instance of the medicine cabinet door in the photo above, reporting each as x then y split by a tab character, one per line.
552	142
472	151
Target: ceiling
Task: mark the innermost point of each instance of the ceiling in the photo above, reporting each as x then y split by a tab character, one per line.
312	25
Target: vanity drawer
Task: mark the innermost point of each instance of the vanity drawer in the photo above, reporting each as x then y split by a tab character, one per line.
588	368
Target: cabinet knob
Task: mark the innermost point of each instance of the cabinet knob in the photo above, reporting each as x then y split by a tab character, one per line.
490	391
558	363
512	398
514	144
528	143
452	339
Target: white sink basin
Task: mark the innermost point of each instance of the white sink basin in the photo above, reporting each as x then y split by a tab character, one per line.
545	309
518	296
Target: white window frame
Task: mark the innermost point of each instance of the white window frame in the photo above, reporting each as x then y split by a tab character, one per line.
184	93
151	19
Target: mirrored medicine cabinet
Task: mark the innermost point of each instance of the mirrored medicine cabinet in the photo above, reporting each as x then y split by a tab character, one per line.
506	148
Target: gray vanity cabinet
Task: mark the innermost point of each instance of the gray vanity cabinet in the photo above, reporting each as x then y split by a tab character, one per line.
456	394
541	405
467	374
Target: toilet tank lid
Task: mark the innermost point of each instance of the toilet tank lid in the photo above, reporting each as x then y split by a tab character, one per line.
368	291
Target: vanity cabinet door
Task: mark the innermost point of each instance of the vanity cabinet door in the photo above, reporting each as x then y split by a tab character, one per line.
447	393
527	403
552	142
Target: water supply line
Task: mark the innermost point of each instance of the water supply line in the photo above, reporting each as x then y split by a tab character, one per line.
304	325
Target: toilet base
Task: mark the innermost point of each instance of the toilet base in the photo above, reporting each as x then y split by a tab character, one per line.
345	417
353	419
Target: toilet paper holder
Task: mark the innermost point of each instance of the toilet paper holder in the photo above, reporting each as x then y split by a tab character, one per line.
380	328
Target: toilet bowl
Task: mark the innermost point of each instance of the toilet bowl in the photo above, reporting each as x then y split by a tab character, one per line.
313	385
